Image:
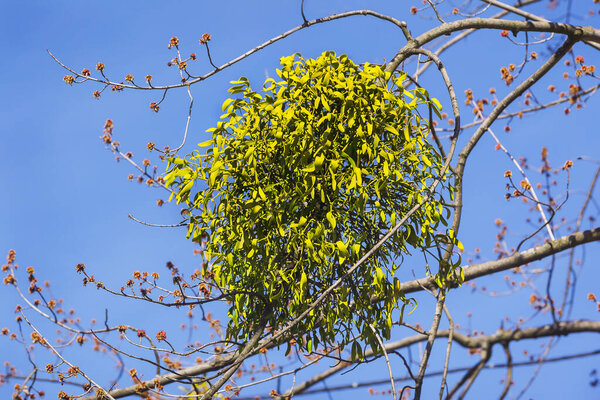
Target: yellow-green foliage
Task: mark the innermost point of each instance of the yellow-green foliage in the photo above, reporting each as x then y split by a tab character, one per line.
298	181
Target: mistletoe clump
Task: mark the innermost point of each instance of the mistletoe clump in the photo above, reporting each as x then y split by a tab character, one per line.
301	179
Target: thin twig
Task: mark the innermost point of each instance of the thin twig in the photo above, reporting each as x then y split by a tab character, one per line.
447	361
432	333
516	163
57	353
155	225
509	371
387	360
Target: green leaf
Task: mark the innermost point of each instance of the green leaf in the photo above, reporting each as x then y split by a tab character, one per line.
309	168
300	223
226	103
331	219
206	143
261	193
303	281
342	248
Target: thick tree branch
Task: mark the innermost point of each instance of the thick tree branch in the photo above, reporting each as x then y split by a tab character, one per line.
518	259
471	272
588	34
196	370
356	385
501	337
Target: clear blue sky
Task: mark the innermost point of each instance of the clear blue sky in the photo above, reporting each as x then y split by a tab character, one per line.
65	199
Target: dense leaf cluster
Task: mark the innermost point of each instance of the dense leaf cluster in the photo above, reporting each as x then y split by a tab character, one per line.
298	181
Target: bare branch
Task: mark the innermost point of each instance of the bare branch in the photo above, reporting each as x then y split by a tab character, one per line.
518	259
501	336
529	16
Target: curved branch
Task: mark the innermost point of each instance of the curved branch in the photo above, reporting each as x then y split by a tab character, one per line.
471	374
587	34
509	371
400	24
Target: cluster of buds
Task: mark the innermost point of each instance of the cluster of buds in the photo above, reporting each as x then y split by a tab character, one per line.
73	371
479	106
141	385
63	396
205	38
585	70
10	261
204	290
174	42
161	335
507	77
525	184
9	280
574	89
37	338
574	92
108	128
469	95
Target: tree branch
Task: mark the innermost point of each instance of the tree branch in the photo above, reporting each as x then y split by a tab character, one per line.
501	336
528	15
518	259
588	33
